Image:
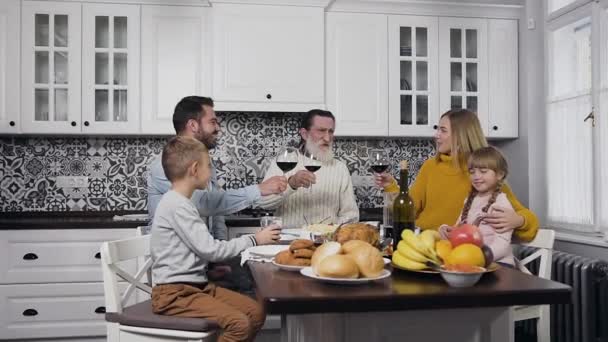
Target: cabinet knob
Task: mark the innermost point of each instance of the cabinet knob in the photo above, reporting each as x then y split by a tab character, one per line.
97	255
73	123
30	312
268	96
30	256
495	128
100	310
12	123
86	123
435	126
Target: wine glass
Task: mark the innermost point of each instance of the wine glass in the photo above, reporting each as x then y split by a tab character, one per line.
378	160
287	159
311	162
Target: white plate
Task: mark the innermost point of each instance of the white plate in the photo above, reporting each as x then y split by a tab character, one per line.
307	272
267	250
290	268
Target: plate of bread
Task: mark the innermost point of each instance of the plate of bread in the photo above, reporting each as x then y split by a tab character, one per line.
296	257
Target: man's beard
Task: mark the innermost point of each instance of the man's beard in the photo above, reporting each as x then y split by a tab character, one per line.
210	140
322	156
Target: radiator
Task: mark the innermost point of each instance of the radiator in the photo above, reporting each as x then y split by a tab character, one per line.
586	318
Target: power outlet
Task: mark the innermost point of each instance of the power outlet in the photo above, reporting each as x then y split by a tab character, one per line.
72	181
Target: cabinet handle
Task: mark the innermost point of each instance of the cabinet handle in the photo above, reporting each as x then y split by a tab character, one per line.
30	312
86	123
268	96
30	256
73	123
97	255
495	128
435	126
12	123
100	310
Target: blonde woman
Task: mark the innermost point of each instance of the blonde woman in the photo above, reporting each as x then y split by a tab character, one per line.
443	183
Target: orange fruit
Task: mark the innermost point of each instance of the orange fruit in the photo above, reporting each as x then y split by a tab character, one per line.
443	248
466	254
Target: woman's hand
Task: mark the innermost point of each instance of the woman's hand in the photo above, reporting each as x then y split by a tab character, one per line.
383	179
503	219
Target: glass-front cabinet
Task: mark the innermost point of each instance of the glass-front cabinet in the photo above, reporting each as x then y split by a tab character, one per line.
50	67
463	66
413	86
9	66
110	85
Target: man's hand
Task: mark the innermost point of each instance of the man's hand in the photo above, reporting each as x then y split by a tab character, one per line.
268	235
302	179
218	271
503	219
273	185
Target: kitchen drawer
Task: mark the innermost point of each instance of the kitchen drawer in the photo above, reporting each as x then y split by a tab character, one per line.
55	256
234	232
52	310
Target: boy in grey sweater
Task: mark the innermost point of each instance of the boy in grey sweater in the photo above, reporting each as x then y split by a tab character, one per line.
182	247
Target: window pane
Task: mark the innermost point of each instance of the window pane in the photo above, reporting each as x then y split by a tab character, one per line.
472	103
421	42
422	110
61	30
570	69
120	32
102	68
120	68
406	75
101	105
41	35
471	76
61	67
421	76
61	105
456	102
471	43
41	105
120	105
456	76
102	31
405	39
41	74
406	109
455	43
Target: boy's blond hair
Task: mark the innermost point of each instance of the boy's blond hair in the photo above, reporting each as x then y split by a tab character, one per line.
179	154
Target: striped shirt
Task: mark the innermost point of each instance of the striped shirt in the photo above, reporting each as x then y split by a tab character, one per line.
331	199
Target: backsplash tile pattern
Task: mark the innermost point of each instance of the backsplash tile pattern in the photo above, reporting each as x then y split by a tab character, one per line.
116	167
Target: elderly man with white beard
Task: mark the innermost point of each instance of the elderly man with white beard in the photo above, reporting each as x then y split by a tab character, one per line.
327	195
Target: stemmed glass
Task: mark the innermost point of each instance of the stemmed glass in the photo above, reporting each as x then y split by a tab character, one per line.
378	160
287	159
311	162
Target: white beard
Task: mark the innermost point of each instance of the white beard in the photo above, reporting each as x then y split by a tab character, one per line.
322	156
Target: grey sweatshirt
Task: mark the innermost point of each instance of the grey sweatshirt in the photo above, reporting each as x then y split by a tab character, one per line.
181	245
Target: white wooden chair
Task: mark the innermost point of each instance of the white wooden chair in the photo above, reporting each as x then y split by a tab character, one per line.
137	323
544	243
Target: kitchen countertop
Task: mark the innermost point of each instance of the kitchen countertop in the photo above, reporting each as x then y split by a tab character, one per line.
104	219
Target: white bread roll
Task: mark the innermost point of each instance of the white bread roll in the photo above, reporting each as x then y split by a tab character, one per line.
351	245
338	266
325	250
368	260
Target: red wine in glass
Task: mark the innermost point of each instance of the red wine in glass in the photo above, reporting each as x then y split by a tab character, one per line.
314	168
286	166
379	168
287	159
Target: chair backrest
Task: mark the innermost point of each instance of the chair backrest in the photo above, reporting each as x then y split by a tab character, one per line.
112	254
543	241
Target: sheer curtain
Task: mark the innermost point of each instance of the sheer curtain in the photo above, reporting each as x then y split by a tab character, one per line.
603	148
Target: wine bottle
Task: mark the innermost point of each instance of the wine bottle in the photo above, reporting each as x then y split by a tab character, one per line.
404	213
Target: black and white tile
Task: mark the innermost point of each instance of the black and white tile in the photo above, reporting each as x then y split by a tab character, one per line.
116	167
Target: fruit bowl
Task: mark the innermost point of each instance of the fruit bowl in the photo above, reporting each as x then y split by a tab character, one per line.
456	277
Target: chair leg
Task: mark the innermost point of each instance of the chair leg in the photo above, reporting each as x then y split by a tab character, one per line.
543	326
113	331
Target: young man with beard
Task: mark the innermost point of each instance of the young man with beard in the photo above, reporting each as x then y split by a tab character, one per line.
194	117
328	194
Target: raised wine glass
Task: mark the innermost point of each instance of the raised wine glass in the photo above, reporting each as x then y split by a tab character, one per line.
378	160
287	159
311	162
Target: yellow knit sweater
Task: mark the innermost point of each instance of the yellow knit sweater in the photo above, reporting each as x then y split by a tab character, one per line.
439	192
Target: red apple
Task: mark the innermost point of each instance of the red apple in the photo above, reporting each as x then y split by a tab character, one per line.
465	233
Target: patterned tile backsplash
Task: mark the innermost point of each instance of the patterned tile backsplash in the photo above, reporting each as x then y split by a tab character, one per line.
116	167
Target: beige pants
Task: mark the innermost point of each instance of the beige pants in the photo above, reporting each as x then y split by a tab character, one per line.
239	316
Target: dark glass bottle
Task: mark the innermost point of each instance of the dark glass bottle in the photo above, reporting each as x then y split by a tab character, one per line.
404	212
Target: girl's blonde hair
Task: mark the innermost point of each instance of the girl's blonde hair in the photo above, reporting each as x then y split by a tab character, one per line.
466	135
486	158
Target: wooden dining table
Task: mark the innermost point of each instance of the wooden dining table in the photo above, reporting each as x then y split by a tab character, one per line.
408	306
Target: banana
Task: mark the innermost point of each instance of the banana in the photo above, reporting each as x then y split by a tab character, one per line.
429	237
402	261
413	241
410	253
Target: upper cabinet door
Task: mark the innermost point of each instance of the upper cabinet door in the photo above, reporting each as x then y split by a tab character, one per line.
463	66
503	78
171	68
413	88
110	68
268	55
357	73
50	67
9	66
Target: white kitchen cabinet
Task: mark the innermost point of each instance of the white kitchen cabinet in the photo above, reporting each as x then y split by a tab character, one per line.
413	75
50	67
357	73
51	282
503	79
268	58
110	68
172	68
9	66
